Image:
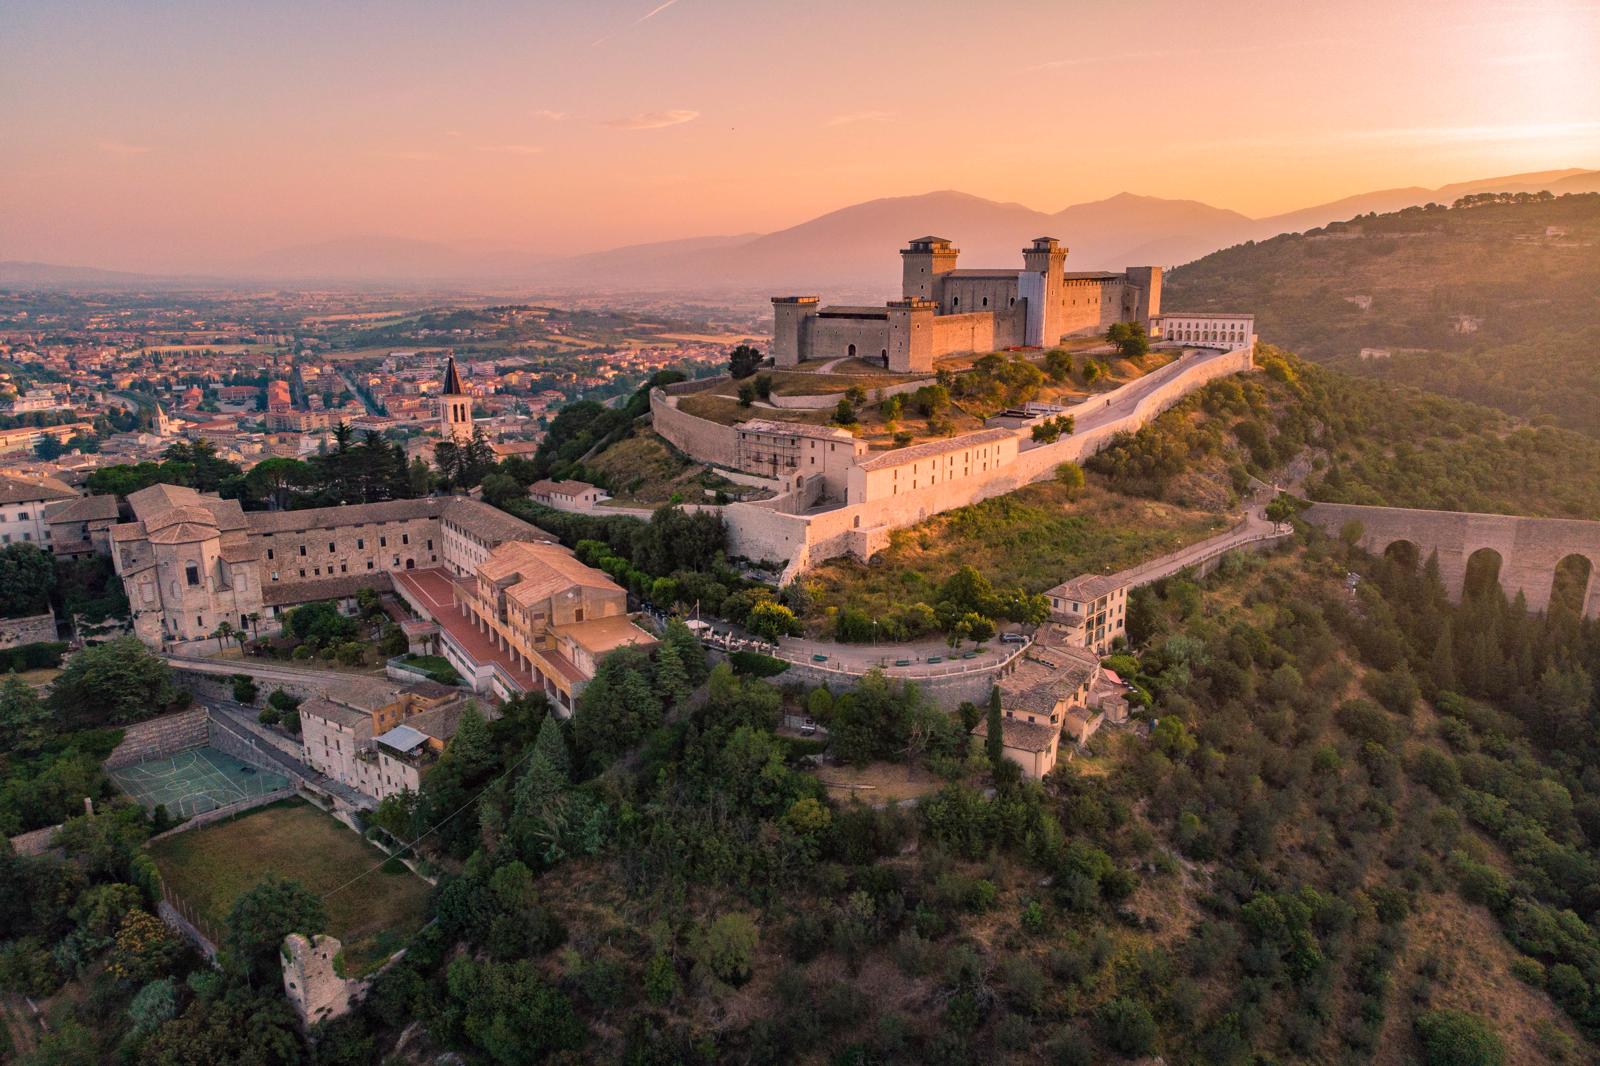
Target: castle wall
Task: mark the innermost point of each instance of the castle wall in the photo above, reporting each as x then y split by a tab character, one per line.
962	295
831	338
707	441
959	334
862	529
828	401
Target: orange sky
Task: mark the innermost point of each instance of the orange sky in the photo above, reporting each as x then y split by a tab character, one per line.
192	135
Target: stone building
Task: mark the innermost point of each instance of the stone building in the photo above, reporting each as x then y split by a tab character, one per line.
944	310
341	731
1204	330
799	454
23	502
80	526
1092	610
1051	689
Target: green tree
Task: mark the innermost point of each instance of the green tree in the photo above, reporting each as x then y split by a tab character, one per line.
771	620
1127	1026
1070	475
22	715
672	678
994	736
254	929
114	683
27	578
1282	510
744	360
510	1012
845	413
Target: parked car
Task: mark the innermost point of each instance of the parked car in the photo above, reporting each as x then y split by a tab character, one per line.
1013	638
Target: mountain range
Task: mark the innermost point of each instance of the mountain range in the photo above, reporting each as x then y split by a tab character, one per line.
849	250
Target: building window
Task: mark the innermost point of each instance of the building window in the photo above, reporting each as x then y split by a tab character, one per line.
302	549
331	548
269	554
383	542
192	573
361	543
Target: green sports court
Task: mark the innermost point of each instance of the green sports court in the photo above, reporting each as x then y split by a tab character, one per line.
195	781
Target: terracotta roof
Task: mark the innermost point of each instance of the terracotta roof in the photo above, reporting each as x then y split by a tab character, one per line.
23	490
309	590
491	523
1023	736
559	488
541	571
794	429
83	509
240	553
353	514
935	448
1085	587
321	707
598	636
183	533
128	531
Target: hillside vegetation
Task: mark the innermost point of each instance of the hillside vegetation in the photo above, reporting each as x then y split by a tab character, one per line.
1492	303
1349	440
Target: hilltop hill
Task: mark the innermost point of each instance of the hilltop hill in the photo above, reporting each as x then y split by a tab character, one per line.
1494	304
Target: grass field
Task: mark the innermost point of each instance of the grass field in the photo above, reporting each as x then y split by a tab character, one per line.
1035	538
210	868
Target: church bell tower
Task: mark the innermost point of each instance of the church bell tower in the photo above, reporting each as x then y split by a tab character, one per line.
455	406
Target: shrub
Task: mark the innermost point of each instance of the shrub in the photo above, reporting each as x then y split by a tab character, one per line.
1127	1027
1456	1038
726	947
245	690
755	664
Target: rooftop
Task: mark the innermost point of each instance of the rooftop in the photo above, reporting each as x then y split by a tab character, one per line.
26	490
1085	587
598	636
794	429
1020	735
933	448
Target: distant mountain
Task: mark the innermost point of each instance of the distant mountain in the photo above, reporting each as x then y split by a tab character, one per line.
849	252
17	274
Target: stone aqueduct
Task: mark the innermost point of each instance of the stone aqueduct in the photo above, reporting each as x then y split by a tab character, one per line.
1529	549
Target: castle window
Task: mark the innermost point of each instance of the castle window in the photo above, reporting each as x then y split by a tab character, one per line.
331	548
955	301
302	549
985	301
360	543
269	553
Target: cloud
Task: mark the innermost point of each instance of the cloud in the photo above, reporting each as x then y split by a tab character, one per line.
124	148
646	17
651	120
859	116
512	149
551	116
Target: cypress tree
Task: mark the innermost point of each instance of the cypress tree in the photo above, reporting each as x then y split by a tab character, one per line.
994	743
1442	667
672	680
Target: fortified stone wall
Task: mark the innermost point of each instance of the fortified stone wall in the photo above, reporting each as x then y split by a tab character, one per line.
831	338
159	738
30	630
707	441
1530	549
764	531
969	332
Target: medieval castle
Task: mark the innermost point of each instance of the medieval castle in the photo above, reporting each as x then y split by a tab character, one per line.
946	311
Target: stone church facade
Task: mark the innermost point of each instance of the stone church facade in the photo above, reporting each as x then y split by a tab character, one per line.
945	310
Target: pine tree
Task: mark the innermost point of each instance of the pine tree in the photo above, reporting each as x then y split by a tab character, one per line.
1442	667
994	743
551	747
672	680
690	652
471	751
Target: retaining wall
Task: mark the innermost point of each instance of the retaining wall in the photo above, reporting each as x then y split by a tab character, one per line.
160	738
827	401
34	842
710	442
222	813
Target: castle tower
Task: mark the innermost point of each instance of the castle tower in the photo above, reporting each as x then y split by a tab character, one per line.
911	334
455	406
1043	283
792	317
924	265
1144	287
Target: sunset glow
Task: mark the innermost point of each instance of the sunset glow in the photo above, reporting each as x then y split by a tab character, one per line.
193	135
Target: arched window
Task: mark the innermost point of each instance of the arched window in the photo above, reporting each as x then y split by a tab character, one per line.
985	301
851	351
955	301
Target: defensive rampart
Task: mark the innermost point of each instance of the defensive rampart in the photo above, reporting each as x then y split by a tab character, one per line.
708	441
760	531
1528	549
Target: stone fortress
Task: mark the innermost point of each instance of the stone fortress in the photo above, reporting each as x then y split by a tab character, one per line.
835	496
944	310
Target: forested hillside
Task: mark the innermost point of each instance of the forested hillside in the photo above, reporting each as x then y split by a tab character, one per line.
1493	303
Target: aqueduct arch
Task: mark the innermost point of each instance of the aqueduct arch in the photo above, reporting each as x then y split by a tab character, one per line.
1530	549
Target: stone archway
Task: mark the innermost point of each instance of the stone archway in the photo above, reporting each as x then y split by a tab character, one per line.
1404	554
1482	574
850	352
1570	585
